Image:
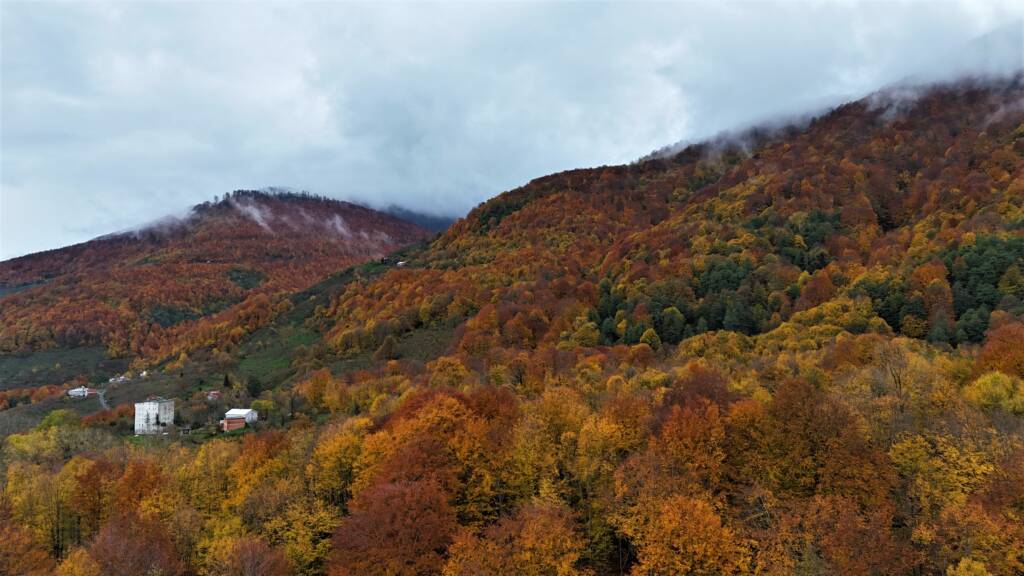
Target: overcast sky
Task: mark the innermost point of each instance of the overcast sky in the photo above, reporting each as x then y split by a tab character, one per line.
116	114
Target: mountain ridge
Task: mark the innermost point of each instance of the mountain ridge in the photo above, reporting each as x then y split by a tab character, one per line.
871	195
273	241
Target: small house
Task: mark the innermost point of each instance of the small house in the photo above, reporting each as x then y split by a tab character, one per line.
154	415
213	395
238	418
81	392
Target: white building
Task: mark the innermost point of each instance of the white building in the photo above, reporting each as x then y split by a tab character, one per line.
248	414
153	416
80	392
238	418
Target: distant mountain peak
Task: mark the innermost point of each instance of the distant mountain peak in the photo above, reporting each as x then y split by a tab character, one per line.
183	268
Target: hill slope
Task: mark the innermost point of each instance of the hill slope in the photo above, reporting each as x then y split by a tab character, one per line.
727	356
877	199
793	355
140	293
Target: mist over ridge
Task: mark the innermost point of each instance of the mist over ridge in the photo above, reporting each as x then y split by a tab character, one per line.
386	106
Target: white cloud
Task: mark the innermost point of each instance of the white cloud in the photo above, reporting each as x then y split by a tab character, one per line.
114	114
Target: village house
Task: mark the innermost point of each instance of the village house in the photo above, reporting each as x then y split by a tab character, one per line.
154	415
81	392
213	395
238	418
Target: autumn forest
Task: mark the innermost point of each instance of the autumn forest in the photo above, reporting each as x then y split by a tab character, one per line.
789	351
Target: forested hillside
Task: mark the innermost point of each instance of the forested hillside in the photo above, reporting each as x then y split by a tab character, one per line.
181	283
794	354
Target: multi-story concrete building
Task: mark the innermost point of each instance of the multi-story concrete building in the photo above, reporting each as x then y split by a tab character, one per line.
154	415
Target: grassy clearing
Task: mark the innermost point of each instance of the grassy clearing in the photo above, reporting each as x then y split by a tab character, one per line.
268	356
166	385
422	345
58	365
6	289
425	344
25	416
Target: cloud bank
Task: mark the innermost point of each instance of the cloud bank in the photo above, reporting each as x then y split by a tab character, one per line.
113	114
